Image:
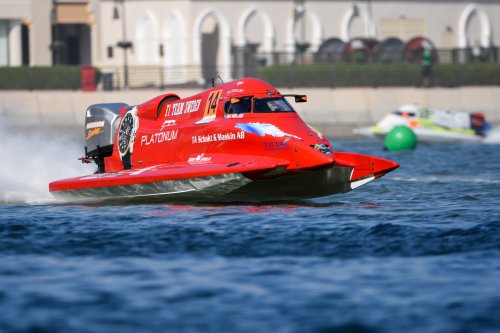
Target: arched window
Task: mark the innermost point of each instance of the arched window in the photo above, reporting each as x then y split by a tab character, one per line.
174	49
255	42
331	50
212	46
415	47
390	50
357	23
359	50
147	46
255	27
304	29
467	37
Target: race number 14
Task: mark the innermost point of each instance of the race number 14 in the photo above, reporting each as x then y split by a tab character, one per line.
212	101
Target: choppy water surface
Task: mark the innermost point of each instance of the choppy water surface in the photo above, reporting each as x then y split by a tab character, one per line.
415	251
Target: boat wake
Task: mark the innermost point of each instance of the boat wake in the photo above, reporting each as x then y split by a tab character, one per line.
452	179
31	158
493	136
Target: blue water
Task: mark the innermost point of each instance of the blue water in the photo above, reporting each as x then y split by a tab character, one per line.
415	251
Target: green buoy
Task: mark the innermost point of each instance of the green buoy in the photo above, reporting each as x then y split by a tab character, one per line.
400	138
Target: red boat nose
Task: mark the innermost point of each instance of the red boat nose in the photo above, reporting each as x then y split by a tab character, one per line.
365	165
382	166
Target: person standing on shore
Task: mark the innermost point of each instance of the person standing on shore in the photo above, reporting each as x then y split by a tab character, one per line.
426	64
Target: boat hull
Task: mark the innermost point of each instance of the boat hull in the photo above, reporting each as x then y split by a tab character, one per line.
424	135
232	187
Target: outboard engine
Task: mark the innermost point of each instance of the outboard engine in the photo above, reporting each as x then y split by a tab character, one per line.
101	124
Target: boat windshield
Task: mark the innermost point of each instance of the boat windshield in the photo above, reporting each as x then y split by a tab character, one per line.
405	114
244	105
271	104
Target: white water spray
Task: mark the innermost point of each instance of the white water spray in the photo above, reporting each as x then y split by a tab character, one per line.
493	135
33	158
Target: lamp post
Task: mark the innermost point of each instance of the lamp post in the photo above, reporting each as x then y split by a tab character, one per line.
124	43
299	11
57	45
370	14
301	45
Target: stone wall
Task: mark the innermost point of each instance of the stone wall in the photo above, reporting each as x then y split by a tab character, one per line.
334	111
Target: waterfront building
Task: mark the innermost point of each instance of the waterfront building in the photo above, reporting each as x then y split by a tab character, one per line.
180	41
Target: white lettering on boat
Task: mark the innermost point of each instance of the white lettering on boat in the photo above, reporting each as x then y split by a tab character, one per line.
200	159
95	124
167	123
179	108
160	137
217	137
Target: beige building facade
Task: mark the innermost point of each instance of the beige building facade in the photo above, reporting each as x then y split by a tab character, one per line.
190	40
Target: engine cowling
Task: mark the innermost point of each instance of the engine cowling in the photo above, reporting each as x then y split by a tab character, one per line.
101	123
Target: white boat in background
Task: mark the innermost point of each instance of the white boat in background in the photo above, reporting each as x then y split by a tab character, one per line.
432	125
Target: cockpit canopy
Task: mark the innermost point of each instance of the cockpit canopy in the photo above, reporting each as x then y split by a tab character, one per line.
407	111
248	104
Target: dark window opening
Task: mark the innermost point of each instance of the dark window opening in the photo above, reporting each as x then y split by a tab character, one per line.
71	44
243	106
405	114
272	104
110	51
25	42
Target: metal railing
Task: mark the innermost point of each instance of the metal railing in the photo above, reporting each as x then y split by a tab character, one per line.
251	64
314	69
452	67
150	76
442	56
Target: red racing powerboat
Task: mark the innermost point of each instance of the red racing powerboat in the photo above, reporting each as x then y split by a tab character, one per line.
237	142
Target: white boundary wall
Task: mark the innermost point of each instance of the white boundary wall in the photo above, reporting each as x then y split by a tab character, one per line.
334	111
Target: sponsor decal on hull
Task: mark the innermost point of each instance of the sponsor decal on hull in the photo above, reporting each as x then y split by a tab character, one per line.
167	123
264	129
217	137
93	132
277	145
234	91
159	137
176	109
234	116
94	128
95	124
200	159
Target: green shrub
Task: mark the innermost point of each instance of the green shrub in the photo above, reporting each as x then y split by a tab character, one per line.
379	75
31	78
317	75
467	74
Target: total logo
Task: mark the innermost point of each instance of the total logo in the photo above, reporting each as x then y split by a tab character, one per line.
199	159
277	146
